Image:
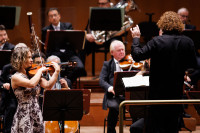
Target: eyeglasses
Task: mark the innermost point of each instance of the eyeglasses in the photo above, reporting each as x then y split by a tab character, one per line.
184	16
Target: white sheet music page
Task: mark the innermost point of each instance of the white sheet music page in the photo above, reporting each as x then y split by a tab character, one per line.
136	81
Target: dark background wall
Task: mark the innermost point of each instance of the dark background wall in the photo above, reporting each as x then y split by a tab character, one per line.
77	12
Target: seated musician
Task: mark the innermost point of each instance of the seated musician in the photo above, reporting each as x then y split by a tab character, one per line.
37	60
4	45
117	50
8	103
64	51
184	15
62	82
91	45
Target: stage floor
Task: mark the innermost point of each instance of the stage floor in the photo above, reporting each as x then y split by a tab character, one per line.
99	129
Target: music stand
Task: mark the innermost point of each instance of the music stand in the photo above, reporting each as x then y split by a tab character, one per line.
6	54
134	93
61	105
106	19
10	16
86	100
118	84
66	38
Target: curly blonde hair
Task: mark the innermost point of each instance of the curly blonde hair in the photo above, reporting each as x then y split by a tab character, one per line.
170	22
19	57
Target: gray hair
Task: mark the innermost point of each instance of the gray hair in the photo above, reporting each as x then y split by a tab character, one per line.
113	44
20	45
53	58
182	9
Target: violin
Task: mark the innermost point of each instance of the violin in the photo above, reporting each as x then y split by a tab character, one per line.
35	67
127	63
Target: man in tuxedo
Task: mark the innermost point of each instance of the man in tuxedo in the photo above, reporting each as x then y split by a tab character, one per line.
117	50
183	15
7	105
65	52
4	45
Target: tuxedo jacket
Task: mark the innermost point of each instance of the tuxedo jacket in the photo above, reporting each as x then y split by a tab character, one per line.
55	49
106	79
190	27
8	98
63	26
8	46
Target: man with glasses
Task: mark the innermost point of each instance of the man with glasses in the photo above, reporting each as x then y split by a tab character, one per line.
104	3
184	14
64	51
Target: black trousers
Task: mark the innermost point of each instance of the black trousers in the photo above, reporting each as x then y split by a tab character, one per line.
11	106
112	120
113	113
163	119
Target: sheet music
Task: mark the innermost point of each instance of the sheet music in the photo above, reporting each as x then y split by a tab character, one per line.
136	81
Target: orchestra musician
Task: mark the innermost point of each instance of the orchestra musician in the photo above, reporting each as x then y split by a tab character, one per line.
184	16
4	44
28	116
90	44
64	82
171	55
117	50
8	101
63	51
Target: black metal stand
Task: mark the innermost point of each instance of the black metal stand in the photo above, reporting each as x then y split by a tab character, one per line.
105	19
62	105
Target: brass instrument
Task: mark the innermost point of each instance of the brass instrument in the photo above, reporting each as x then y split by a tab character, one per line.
100	35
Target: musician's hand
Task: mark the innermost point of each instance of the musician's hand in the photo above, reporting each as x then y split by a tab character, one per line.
43	69
6	86
90	37
56	66
135	32
63	83
187	78
111	90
